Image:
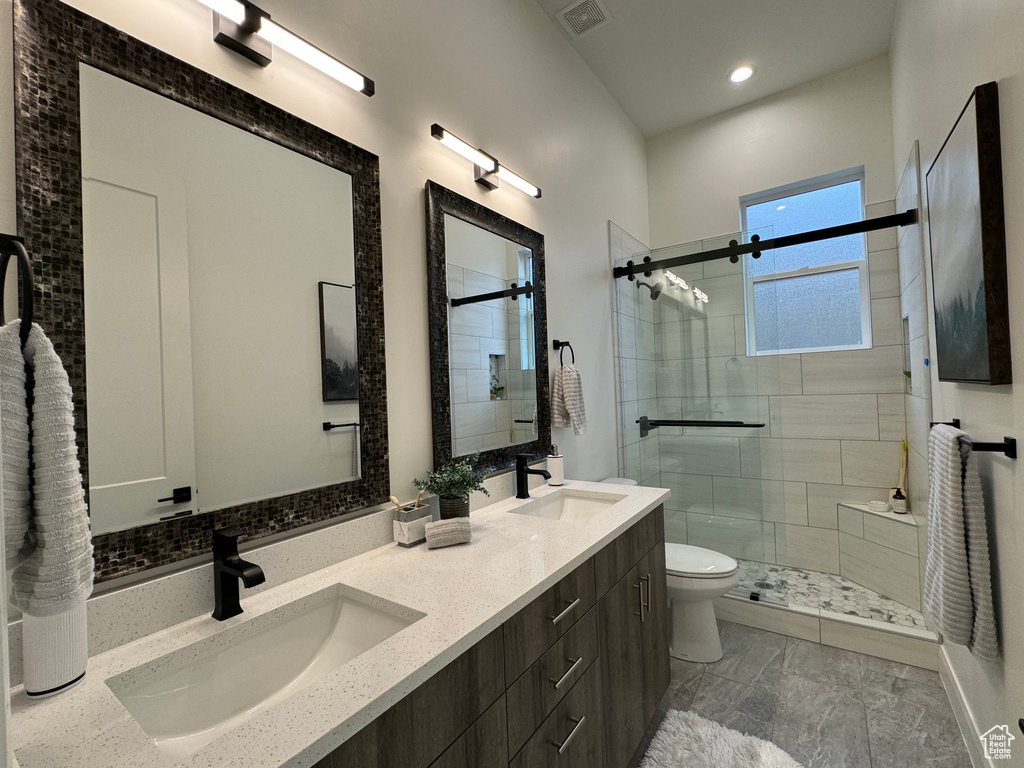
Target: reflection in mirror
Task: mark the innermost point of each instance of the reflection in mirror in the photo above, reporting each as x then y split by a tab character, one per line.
203	372
488	333
492	359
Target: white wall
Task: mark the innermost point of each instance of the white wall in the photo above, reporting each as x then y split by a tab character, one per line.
499	74
696	174
941	49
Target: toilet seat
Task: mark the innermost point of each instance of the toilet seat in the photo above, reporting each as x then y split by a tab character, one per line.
697	562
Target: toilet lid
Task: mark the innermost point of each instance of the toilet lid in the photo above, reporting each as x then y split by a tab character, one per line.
685	560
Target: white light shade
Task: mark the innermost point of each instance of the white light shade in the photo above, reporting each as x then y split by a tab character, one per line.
457	145
277	35
740	74
229	9
518	182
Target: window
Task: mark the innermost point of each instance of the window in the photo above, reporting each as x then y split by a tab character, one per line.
527	346
812	297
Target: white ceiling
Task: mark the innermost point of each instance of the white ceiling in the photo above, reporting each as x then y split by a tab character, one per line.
666	61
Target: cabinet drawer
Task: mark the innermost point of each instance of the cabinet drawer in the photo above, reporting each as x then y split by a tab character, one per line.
482	746
534	629
571	737
532	697
614	561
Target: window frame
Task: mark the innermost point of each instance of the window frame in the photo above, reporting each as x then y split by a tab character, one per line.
861	265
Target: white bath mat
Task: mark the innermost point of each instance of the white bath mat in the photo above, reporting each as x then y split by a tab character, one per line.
686	740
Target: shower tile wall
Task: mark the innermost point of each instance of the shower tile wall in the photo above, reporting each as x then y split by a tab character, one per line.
478	335
834	420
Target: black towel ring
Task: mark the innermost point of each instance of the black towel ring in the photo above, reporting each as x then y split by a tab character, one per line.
14	246
559	346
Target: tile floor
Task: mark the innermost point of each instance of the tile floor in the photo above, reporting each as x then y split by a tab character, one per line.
827	707
795	586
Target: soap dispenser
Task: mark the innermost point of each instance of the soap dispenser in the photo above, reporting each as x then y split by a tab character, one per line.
556	467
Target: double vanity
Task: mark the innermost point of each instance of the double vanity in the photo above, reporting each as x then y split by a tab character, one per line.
543	642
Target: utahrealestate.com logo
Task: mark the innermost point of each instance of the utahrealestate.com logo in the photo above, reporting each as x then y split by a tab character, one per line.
997	742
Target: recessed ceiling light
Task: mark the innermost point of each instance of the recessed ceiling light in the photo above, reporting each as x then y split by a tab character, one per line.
740	74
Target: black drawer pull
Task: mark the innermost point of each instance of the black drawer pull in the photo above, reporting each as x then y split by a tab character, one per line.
571	607
568	739
559	682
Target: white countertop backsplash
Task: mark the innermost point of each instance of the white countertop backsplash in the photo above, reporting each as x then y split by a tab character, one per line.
466	592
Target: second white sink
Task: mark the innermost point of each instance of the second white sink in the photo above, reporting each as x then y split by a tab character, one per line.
188	698
570	506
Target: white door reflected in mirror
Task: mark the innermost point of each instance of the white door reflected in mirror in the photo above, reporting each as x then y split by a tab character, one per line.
207	242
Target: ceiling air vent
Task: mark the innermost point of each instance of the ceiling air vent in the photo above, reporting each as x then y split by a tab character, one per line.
581	18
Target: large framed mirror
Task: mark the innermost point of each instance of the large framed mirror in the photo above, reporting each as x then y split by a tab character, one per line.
209	269
488	333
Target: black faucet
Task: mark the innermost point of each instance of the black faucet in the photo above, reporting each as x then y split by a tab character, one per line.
523	473
228	568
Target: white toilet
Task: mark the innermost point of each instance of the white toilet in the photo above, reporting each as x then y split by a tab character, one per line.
696	576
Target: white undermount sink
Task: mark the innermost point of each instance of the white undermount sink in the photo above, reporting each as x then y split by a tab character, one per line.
569	506
189	697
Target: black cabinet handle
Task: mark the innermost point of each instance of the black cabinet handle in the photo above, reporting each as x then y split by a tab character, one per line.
179	496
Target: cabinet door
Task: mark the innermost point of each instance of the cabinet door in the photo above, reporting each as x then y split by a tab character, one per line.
656	629
621	663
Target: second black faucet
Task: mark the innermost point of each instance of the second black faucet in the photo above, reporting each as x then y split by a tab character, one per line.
523	472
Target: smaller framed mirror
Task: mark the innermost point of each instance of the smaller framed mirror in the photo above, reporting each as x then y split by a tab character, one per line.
488	333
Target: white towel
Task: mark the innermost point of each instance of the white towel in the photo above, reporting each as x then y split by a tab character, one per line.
446	533
567	408
957	582
48	546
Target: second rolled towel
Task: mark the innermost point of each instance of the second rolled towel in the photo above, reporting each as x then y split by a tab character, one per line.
445	533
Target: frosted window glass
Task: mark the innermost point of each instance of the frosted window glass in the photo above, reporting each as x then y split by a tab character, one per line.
804	212
808	312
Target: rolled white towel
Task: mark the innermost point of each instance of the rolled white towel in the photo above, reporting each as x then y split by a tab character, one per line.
446	533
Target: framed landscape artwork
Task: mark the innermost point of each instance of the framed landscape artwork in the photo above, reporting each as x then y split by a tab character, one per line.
339	353
968	247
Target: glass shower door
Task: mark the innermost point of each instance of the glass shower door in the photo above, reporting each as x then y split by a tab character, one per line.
695	420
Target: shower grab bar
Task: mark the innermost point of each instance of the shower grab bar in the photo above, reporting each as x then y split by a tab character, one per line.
646	425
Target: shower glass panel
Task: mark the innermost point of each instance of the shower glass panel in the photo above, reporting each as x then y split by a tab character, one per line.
682	356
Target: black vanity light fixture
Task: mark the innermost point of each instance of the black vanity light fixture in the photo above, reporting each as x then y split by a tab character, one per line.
486	168
249	31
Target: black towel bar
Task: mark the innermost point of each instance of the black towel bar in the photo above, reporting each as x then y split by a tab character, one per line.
328	426
1008	447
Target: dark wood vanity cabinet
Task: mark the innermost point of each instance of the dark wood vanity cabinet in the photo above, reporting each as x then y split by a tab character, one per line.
571	681
633	632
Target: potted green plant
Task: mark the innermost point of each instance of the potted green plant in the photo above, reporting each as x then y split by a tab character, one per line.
452	484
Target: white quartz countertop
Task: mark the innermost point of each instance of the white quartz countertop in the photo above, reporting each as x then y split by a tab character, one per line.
465	592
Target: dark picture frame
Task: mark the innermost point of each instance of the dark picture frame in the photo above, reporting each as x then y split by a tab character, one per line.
339	352
968	247
440	202
51	39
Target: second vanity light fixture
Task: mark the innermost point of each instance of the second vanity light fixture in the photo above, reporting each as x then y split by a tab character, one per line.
486	167
249	31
